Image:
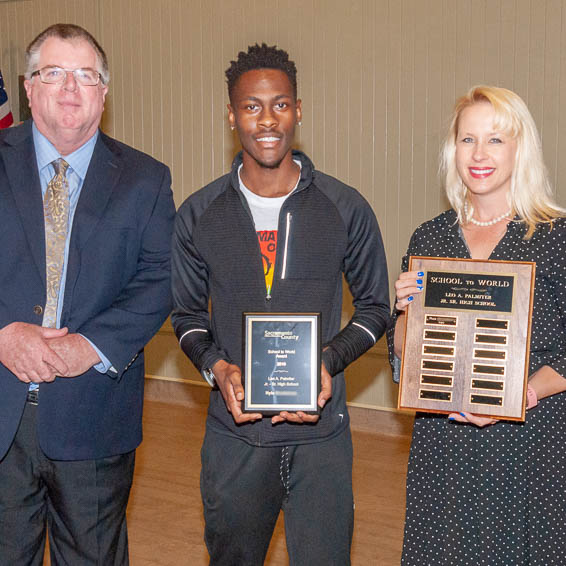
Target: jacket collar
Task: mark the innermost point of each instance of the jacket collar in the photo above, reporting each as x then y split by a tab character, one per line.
18	155
101	181
101	178
307	170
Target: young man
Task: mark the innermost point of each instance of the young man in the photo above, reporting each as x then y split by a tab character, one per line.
86	223
275	235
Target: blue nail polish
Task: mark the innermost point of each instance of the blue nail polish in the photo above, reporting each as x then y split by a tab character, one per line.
420	273
462	414
450	418
420	287
410	298
419	281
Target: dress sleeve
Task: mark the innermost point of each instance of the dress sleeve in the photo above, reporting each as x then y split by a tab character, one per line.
557	278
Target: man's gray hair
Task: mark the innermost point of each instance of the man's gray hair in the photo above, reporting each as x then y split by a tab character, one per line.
68	32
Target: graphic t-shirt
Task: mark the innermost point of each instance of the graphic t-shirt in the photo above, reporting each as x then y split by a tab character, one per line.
265	212
268	249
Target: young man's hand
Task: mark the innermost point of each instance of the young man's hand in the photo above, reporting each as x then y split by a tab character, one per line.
229	380
324	395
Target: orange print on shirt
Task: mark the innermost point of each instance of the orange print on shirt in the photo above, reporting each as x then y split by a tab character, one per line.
268	247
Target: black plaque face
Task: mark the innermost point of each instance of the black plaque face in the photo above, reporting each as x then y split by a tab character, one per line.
486	400
469	291
433	364
281	362
490	354
431	379
438	350
435	395
439	335
490	384
494	324
491	370
491	339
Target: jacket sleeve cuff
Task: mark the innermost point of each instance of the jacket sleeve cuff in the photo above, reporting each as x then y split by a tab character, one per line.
104	366
346	347
331	361
199	347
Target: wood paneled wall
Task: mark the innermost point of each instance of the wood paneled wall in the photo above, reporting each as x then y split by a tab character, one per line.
377	77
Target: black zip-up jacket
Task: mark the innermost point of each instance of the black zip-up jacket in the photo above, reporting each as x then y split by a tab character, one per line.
325	229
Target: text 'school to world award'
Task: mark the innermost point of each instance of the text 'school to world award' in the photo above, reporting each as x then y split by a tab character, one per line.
281	362
466	345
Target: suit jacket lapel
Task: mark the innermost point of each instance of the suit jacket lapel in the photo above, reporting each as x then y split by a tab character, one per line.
21	167
102	176
103	173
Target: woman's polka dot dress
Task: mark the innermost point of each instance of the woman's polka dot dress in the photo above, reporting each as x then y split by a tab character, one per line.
497	495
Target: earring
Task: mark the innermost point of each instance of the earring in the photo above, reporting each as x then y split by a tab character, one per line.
232	128
299	123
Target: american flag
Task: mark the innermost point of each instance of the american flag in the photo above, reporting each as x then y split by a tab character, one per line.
6	118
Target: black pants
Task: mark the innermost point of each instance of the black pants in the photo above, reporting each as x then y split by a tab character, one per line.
244	487
82	503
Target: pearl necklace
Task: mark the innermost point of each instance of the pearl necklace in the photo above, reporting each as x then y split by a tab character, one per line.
488	223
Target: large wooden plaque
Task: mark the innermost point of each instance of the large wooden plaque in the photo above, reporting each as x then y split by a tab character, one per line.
466	344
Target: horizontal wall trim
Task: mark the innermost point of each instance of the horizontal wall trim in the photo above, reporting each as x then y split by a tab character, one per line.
379	408
204	384
379	350
177	380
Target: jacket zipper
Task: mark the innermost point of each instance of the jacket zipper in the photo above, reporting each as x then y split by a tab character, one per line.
285	249
287	232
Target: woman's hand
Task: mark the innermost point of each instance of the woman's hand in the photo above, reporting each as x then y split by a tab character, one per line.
471	419
408	284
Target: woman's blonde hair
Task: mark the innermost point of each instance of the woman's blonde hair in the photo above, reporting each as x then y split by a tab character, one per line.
531	196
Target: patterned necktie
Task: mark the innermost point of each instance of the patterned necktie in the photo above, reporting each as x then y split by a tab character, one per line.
56	214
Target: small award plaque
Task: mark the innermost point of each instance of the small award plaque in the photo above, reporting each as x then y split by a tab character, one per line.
466	345
281	362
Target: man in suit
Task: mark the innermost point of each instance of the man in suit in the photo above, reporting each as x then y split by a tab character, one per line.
85	225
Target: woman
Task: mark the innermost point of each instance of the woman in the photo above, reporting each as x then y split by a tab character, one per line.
481	491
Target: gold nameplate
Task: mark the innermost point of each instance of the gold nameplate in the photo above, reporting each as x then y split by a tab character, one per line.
439	335
490	354
445	396
438	350
492	323
433	364
490	370
490	339
489	384
496	401
436	320
431	379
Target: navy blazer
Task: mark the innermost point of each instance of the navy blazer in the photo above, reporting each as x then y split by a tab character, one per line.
117	291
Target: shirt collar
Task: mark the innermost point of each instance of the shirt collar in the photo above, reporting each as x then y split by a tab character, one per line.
243	187
78	161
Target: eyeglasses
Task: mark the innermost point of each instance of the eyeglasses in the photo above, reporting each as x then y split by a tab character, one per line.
57	75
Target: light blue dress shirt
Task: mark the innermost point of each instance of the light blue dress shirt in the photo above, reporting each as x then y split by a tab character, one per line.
79	160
